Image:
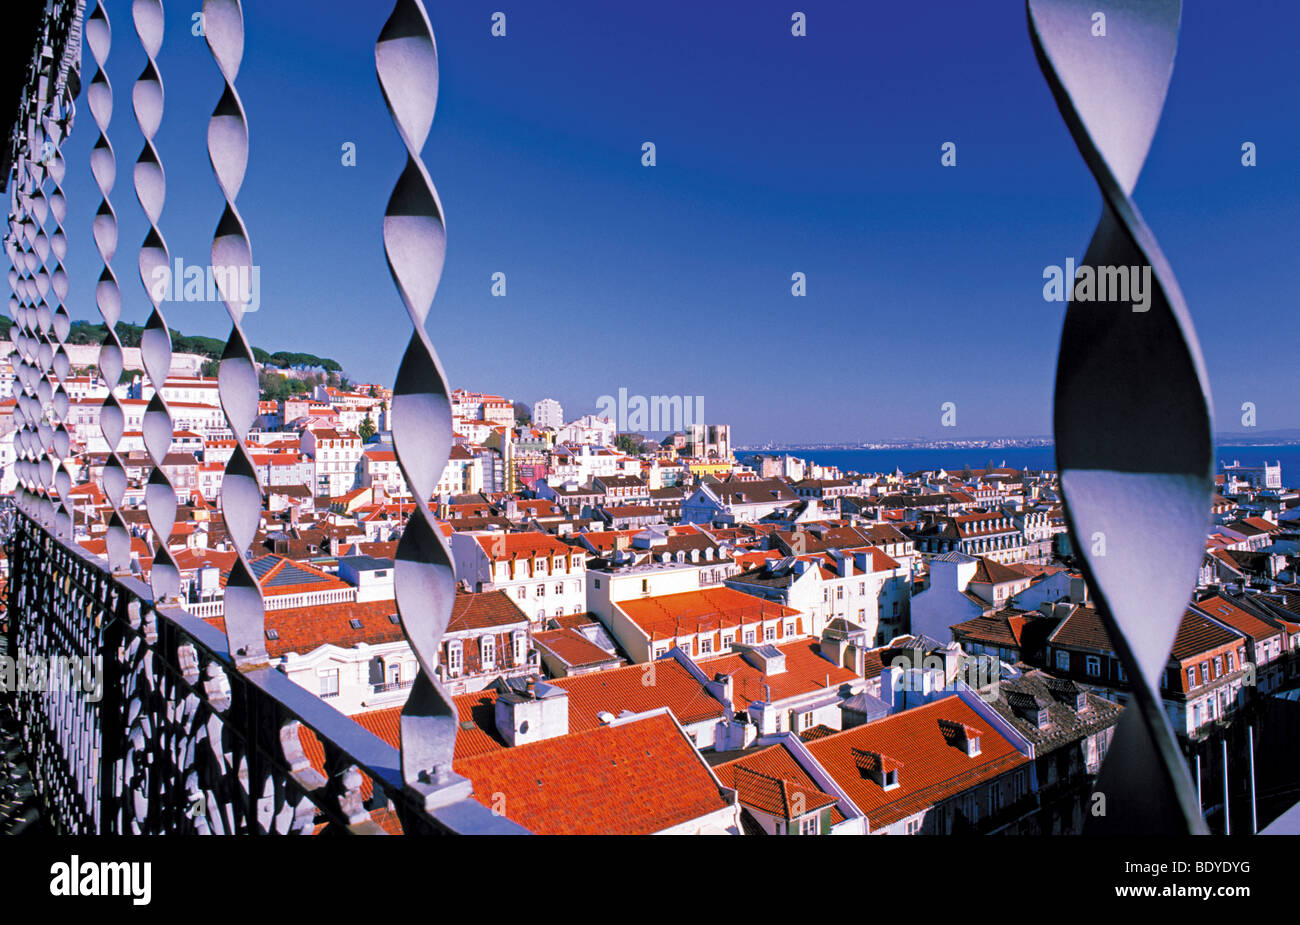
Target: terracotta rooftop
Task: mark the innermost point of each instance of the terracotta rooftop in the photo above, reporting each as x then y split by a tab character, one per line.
770	780
667	616
635	778
932	767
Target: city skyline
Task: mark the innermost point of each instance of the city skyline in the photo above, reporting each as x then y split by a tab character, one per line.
921	590
774	156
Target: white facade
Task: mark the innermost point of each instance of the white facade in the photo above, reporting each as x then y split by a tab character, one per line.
544	577
548	413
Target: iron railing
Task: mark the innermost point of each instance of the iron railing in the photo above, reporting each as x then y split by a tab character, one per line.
184	740
194	731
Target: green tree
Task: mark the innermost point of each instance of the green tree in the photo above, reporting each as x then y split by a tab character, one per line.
366	430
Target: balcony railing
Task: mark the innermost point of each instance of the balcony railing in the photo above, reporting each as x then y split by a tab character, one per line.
182	740
393	686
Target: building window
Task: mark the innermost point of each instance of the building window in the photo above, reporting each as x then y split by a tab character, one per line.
1094	666
329	682
455	658
808	825
487	653
769	633
805	720
706	646
1218	667
559	589
1205	672
522	593
519	648
749	637
1062	660
645	585
540	591
1231	667
1191	677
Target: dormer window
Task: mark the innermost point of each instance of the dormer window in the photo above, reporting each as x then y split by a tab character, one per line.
891	779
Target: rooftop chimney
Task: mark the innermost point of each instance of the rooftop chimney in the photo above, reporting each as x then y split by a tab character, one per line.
532	712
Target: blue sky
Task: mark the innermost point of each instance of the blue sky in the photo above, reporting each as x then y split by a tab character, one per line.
775	154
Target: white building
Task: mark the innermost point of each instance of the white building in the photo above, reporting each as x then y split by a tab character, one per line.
336	455
548	413
544	577
588	429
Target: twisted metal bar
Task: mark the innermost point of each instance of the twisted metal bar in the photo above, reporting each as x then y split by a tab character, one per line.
108	295
39	351
1133	433
18	246
155	267
406	63
38	211
241	496
58	124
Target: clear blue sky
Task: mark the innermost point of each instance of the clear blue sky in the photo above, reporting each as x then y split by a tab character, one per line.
775	154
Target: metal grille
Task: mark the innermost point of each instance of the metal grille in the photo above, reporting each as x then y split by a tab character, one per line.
195	733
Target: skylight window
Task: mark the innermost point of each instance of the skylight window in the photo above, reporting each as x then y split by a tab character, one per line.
355	623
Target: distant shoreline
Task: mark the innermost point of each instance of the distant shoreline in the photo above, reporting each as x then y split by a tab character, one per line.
993	444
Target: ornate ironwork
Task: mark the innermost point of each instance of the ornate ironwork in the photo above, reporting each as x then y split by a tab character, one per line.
1133	434
184	740
194	733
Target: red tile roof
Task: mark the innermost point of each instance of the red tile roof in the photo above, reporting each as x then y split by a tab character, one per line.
1238	619
668	616
636	778
805	671
1198	635
305	629
931	767
572	647
503	547
638	688
768	781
